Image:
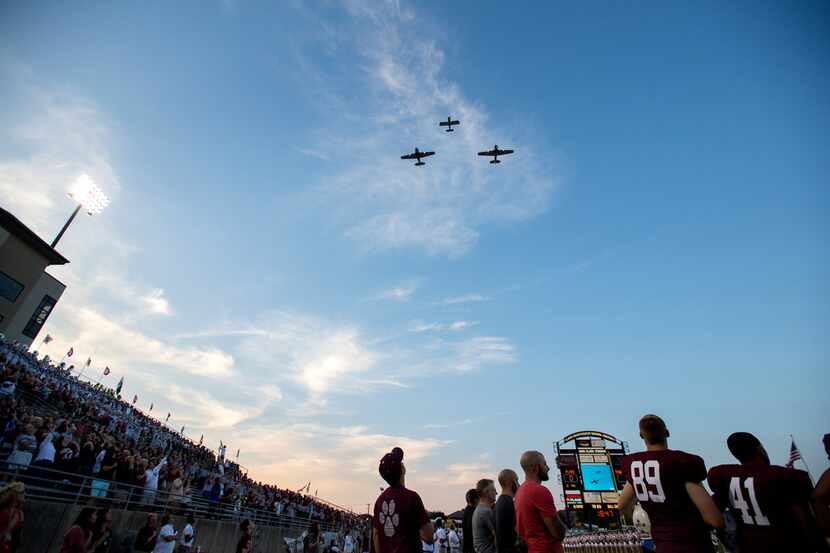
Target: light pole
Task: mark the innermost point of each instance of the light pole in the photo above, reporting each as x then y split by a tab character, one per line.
89	198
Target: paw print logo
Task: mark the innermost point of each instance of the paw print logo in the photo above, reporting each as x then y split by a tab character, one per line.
389	518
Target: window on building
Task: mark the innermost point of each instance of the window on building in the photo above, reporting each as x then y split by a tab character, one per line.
9	287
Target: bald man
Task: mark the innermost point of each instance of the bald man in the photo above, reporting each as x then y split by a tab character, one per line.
505	512
536	520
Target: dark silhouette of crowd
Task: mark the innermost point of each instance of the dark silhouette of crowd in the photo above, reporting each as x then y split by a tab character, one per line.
104	448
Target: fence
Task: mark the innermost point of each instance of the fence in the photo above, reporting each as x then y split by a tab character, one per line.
46	484
624	541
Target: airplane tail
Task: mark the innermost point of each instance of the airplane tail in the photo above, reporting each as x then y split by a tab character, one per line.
420	163
495	161
450	129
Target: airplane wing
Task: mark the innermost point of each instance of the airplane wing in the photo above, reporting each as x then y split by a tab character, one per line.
427	154
490	153
409	156
504	152
455	122
445	124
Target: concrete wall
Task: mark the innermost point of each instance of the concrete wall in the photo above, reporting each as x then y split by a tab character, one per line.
46	523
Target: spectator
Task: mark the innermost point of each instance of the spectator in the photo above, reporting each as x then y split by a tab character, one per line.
348	542
668	486
400	521
484	524
24	448
151	482
102	532
467	522
536	520
452	537
12	497
79	536
506	512
440	540
311	542
428	546
166	541
188	537
821	495
146	539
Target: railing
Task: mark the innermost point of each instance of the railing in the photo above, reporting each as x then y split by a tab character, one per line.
622	541
47	484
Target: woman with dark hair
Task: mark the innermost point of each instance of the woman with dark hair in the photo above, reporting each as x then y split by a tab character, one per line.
146	539
79	537
101	531
246	537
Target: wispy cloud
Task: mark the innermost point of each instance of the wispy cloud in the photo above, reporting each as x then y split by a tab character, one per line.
311	152
466	298
157	303
402	292
455	326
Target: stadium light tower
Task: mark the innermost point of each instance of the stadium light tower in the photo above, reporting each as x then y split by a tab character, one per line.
89	198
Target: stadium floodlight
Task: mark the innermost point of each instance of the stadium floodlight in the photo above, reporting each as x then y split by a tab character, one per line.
89	197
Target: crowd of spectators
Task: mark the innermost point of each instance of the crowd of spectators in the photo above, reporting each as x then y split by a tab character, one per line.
50	420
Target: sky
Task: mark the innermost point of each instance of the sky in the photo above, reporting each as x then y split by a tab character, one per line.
272	274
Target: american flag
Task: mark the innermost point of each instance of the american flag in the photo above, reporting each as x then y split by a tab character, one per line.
795	455
47	339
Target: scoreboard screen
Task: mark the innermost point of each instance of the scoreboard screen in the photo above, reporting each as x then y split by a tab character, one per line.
590	471
597	477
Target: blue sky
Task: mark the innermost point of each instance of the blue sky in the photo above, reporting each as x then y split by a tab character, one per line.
271	273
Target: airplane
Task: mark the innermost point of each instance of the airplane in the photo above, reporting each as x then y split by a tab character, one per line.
449	123
418	154
495	152
594	481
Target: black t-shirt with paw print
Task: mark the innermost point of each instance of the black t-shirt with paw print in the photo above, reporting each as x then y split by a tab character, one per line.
399	516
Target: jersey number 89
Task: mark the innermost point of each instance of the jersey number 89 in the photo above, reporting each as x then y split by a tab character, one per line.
646	481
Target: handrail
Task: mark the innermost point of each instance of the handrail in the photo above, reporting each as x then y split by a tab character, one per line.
48	484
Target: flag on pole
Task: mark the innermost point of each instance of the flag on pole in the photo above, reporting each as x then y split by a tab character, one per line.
106	371
47	339
135	398
151	406
88	361
201	439
182	430
168	417
795	455
237	455
118	387
70	352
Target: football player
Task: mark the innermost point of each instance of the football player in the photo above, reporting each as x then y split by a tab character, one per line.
769	502
667	483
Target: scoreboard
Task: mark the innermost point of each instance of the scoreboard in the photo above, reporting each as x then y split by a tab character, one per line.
590	470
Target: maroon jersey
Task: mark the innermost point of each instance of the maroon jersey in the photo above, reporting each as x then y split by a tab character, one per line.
399	516
659	479
761	498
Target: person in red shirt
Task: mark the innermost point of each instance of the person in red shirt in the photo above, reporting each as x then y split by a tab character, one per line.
400	521
768	502
667	483
79	537
536	520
